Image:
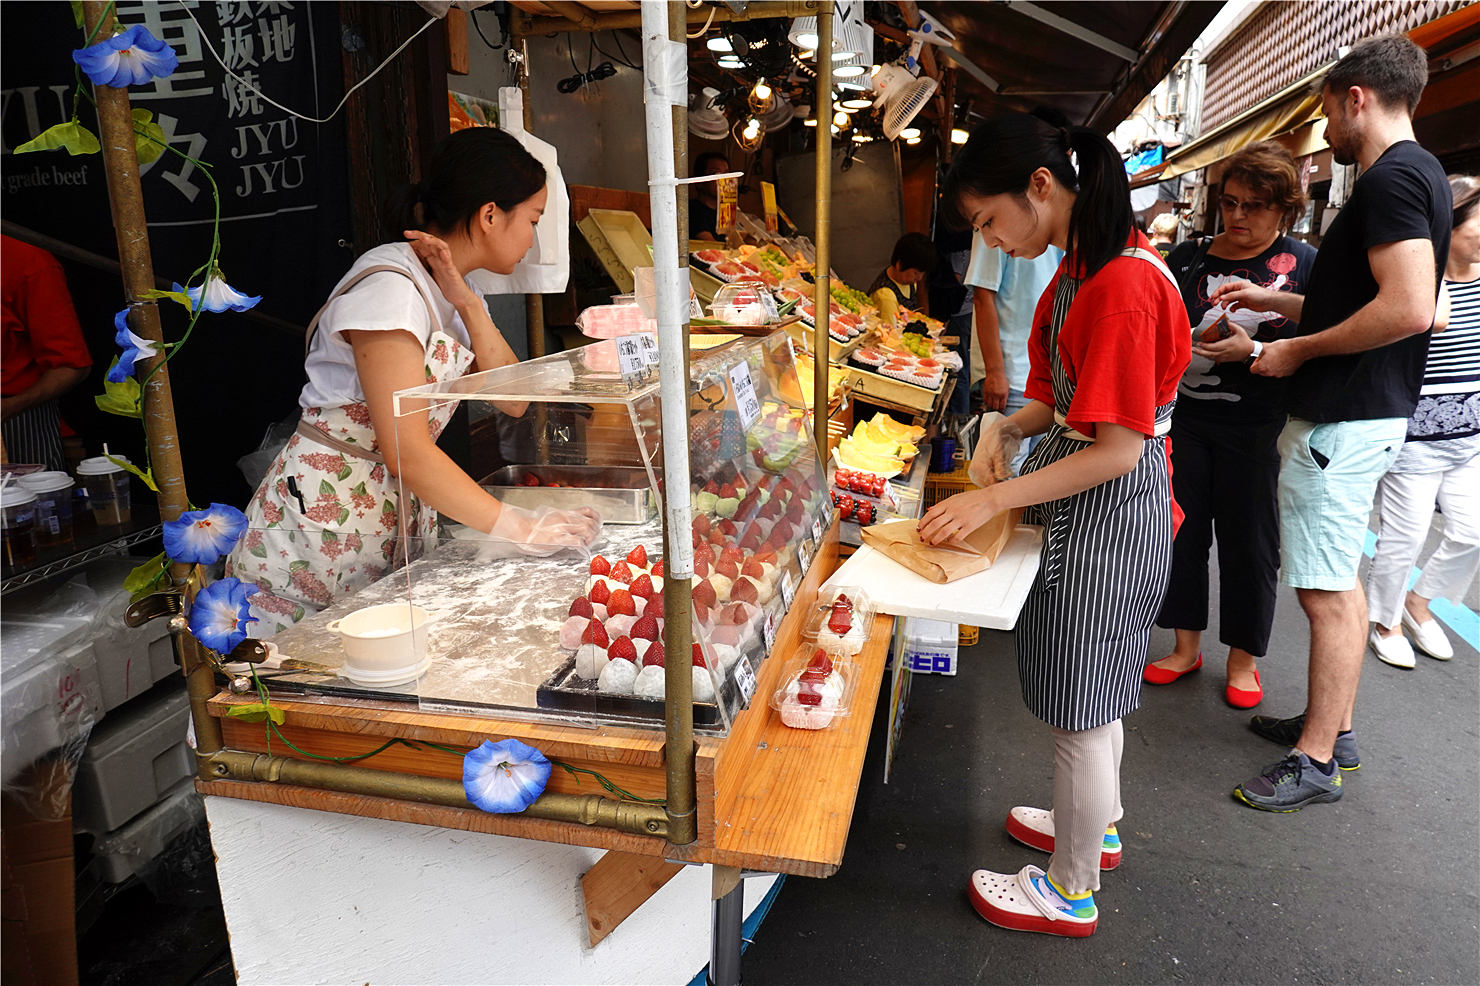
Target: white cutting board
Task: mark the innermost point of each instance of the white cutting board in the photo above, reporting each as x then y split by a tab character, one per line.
990	599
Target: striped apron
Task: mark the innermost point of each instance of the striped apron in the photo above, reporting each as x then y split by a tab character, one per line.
1084	630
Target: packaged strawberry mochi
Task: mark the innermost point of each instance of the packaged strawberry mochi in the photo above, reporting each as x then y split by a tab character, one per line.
816	690
841	621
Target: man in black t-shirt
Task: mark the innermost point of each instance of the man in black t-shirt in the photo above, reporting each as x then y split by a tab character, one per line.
1354	372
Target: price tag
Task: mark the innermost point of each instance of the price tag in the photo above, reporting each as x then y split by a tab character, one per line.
787	589
649	343
744	678
768	630
817	529
805	551
629	356
746	402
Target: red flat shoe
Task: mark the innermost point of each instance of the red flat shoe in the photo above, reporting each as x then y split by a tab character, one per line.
1154	675
1241	699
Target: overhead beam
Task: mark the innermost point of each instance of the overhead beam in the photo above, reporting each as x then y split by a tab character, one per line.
1175	36
621	20
1072	29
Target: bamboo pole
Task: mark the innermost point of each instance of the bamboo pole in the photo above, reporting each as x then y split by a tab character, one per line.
126	198
822	294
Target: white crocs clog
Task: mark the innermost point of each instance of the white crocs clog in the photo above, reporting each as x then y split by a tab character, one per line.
1034	827
1012	901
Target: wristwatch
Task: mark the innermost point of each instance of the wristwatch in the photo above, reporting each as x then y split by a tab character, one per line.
1258	351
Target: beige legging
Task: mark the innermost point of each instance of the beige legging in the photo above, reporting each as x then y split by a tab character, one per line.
1086	801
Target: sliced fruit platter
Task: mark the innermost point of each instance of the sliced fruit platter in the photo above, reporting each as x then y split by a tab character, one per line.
880	445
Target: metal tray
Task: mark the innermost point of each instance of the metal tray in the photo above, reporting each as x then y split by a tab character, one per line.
620	494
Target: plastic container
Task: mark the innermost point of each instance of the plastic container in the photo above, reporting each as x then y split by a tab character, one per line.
744	304
384	645
825	630
816	690
133	758
930	646
18	526
53	506
107	489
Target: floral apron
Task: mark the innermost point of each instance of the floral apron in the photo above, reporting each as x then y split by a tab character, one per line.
328	517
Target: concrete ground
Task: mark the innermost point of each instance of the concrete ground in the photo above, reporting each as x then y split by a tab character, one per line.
1380	887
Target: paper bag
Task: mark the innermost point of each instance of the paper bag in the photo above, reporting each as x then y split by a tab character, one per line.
945	562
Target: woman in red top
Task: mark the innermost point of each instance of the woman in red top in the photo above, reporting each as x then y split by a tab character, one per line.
1110	341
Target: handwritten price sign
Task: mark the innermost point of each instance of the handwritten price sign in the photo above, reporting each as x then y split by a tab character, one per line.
746	403
629	356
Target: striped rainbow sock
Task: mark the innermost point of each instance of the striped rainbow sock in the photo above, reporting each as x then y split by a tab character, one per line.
1080	905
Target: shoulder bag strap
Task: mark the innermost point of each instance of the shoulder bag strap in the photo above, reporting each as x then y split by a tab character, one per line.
1189	276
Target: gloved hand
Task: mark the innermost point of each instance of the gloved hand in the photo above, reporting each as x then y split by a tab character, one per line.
997	445
540	532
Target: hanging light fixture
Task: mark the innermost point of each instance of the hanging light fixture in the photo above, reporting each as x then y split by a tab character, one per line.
720	44
730	62
856	103
748	138
760	97
848	30
841	119
910	133
913	140
959	136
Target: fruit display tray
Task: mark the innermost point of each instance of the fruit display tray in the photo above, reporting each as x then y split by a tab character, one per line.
621	495
566	692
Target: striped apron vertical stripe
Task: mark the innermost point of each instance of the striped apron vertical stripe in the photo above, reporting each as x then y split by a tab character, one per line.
35	435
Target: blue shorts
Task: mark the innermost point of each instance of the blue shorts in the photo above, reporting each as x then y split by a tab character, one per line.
1328	476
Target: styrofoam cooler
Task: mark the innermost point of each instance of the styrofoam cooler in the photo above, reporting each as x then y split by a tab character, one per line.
930	646
135	755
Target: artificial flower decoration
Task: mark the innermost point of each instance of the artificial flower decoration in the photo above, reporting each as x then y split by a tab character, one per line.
71	137
201	537
218	615
504	777
217	296
134	349
131	58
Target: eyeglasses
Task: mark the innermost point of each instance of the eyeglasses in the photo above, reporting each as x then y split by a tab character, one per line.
1230	204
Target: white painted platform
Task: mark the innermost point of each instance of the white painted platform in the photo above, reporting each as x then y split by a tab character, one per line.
317	897
990	599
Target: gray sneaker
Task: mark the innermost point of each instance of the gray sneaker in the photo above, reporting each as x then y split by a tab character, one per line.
1290	785
1286	732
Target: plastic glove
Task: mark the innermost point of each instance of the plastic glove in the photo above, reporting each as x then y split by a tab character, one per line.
540	532
996	447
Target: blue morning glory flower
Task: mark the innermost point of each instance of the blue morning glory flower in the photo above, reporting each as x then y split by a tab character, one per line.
217	296
134	349
219	612
504	777
201	537
128	59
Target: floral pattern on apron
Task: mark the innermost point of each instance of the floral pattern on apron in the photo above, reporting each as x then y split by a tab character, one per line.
340	532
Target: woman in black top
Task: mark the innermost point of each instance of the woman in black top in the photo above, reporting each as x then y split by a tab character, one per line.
1225	465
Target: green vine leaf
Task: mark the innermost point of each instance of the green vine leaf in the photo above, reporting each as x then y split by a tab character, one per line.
71	136
142	580
77	13
121	399
148	137
256	712
147	477
178	297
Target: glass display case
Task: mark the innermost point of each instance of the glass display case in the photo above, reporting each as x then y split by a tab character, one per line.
540	628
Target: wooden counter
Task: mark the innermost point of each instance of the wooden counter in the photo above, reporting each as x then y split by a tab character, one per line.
770	798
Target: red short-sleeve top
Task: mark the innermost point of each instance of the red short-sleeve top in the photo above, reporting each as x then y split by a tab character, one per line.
38	326
1124	343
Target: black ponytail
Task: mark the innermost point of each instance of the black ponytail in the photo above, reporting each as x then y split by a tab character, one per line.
1002	155
468	170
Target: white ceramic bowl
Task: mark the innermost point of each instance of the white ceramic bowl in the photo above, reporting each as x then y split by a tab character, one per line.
384	645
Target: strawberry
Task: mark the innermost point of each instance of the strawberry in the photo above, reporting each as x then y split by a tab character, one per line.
753	569
752	540
596	634
773	508
600	593
624	648
654	655
718	537
766	557
621	604
701	564
735	614
658	569
703	593
844	602
727	492
744	591
699	661
637	557
654	606
621	573
840	622
711	487
600	566
699	541
733	554
727	527
581	607
728	568
646	627
642	586
820	662
701	524
807	693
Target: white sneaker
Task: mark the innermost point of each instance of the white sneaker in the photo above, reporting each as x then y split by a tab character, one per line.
1394	650
1429	637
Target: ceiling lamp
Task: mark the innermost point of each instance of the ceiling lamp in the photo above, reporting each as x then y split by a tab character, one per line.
841	119
861	138
855	68
760	97
856	103
803	33
959	136
750	137
731	62
848	30
913	140
720	44
779	116
704	119
910	133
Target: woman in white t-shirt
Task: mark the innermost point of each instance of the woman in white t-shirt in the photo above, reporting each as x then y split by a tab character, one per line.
328	516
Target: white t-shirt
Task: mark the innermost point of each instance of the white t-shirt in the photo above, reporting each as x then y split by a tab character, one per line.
382	301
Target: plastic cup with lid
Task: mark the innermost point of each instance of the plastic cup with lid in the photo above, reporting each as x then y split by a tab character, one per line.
53	506
18	525
107	489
